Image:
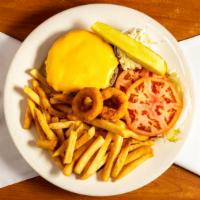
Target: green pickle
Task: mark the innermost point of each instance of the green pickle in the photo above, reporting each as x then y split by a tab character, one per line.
135	50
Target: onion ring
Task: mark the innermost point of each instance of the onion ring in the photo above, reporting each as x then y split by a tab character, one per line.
120	101
91	111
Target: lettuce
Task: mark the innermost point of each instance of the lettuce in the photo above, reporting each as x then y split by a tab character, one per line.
174	78
172	136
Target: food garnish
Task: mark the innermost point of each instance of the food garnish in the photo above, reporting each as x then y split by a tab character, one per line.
140	36
154	106
172	136
134	49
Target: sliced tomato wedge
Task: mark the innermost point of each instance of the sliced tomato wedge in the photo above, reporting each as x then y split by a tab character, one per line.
127	78
154	106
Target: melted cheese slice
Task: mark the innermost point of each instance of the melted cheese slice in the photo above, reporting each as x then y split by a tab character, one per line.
80	59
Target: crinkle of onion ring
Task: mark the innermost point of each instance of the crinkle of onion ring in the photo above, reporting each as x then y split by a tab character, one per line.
94	109
119	98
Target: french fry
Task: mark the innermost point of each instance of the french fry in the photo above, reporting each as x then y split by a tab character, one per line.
32	95
37	75
69	167
85	137
46	105
72	117
61	149
46	144
145	143
96	162
61	98
131	166
88	154
120	123
114	128
120	160
133	155
63	108
64	120
39	131
111	145
88	164
47	115
35	84
54	101
31	105
27	118
80	128
43	123
44	85
56	160
114	151
68	131
64	124
59	132
134	141
102	162
70	147
47	89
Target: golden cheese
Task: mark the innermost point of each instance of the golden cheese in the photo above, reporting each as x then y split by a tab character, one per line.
80	59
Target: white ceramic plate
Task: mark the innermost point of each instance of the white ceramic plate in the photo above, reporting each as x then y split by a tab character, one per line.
33	52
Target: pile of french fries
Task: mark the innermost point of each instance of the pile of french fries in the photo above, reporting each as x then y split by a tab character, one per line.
83	148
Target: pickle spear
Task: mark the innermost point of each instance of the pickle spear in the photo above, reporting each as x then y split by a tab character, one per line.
134	49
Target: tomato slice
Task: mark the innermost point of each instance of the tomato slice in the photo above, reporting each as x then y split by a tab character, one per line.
154	106
127	78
